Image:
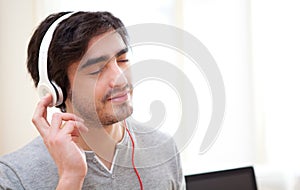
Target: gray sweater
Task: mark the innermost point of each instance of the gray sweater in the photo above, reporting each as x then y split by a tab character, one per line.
156	158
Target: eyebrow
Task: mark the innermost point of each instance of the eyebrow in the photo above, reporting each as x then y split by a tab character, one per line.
122	51
101	59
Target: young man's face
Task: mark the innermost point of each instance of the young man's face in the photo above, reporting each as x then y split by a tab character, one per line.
101	88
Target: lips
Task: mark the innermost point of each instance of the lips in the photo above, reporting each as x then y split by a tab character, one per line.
119	97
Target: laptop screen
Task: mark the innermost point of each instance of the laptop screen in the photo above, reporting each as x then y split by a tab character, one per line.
233	179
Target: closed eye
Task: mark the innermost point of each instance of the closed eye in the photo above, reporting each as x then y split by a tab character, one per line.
123	60
96	72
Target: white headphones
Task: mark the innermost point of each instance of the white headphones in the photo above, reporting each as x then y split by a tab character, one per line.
46	86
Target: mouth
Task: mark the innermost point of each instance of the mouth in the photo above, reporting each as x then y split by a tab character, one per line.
119	97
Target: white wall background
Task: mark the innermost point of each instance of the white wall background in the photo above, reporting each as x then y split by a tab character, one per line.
17	97
255	44
276	58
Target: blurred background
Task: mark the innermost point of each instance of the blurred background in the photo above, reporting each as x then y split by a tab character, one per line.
255	44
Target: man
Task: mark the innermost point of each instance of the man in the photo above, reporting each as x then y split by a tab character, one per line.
91	144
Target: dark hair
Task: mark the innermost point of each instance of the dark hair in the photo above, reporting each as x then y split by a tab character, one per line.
69	43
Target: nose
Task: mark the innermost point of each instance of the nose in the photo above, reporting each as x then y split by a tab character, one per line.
116	74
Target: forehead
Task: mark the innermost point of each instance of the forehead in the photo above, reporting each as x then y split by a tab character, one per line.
104	44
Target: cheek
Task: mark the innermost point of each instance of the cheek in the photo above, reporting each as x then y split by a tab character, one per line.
83	90
83	86
99	89
128	75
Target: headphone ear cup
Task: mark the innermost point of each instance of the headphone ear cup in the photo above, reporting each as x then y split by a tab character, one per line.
53	89
45	88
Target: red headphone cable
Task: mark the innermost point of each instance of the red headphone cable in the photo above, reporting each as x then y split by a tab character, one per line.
132	158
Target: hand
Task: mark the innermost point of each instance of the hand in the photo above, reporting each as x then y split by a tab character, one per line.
61	143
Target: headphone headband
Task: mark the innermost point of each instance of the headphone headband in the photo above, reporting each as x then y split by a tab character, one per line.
46	86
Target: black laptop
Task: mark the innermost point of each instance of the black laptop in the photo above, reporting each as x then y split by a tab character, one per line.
231	179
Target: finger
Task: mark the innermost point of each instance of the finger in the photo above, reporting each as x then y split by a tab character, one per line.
58	118
69	127
39	118
77	124
70	116
56	121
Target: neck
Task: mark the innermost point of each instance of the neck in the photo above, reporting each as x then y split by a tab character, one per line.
115	131
107	135
102	141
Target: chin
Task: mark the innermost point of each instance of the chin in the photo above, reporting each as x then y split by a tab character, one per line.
117	115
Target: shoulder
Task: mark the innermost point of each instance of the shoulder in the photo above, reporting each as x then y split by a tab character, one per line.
155	146
26	164
149	134
30	153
